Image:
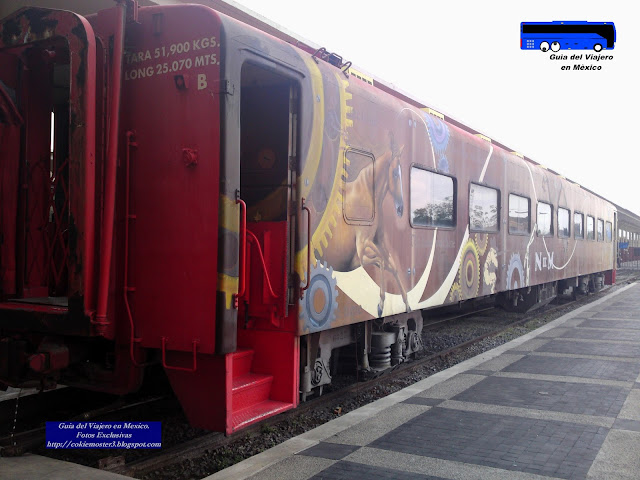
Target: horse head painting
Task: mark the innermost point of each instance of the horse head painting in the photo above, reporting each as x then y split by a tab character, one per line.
363	243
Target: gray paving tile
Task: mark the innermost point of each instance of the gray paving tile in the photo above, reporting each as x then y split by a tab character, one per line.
591	348
31	466
574	322
602	334
295	467
576	398
331	451
576	367
366	431
344	470
554	332
597	421
498	363
482	438
477	371
622	313
435	466
615	324
575	355
624	424
452	386
532	344
618	457
631	408
431	402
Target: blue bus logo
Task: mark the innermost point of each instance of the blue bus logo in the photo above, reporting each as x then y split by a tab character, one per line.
557	36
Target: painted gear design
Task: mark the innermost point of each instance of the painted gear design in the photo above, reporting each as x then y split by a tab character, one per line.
455	294
319	304
438	133
515	277
490	269
469	270
443	164
482	247
333	211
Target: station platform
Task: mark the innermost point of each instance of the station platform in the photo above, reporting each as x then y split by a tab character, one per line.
37	467
560	402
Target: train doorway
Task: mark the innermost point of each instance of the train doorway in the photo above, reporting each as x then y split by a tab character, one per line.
268	164
37	227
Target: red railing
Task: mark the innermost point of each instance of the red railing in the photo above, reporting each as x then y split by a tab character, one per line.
251	236
194	365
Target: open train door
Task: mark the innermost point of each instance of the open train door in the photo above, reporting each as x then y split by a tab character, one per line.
268	164
268	124
47	169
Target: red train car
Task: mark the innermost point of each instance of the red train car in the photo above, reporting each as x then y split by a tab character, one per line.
180	188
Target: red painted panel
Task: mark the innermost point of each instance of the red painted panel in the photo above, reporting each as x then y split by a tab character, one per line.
610	277
204	395
171	99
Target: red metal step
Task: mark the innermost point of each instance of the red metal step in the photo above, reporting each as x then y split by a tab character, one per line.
255	413
242	360
250	393
250	389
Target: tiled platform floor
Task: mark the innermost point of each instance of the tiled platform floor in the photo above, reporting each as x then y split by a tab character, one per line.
561	402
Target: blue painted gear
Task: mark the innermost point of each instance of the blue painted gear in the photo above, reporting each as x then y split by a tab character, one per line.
438	133
515	273
319	304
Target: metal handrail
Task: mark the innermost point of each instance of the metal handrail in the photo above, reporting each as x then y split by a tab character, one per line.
302	289
242	264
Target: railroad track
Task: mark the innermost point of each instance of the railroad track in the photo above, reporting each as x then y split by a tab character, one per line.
439	322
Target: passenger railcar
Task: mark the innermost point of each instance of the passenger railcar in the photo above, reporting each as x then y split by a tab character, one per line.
238	207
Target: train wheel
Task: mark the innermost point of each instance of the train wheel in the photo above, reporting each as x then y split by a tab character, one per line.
555	46
597	47
544	46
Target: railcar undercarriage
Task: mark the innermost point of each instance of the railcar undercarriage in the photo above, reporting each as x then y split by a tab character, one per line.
536	296
378	345
384	343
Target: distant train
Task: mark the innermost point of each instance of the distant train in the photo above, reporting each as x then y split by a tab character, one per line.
240	207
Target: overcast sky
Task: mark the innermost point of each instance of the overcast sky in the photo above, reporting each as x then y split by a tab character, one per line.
463	58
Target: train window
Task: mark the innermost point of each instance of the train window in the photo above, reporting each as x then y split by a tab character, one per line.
591	232
564	226
608	231
545	219
483	208
578	225
519	214
358	206
600	226
432	199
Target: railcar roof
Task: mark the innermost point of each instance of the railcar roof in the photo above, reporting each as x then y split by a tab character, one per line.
249	17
